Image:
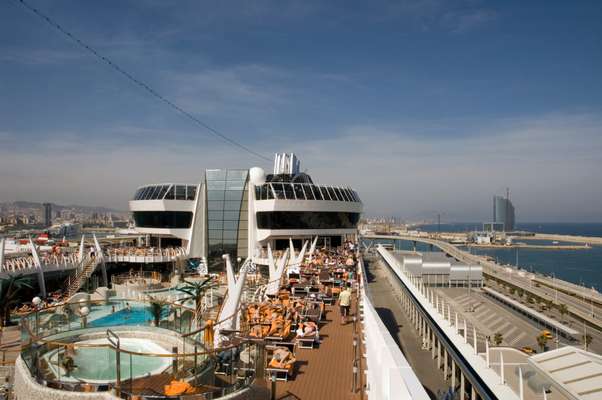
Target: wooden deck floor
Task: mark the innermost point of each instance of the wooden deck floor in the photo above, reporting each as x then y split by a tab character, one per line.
325	372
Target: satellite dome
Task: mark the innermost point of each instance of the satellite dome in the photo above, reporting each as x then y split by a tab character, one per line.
257	176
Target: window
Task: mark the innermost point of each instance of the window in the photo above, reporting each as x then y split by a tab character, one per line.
215	224
235	185
231	225
232	205
298	191
237	174
180	192
215	195
215	205
162	192
216	185
215	234
306	220
163	219
171	193
344	194
190	192
231	215
318	193
352	194
216	215
216	174
279	191
235	195
148	192
230	235
288	191
331	192
309	194
155	194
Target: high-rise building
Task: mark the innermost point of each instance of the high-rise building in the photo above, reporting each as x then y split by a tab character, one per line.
503	212
47	214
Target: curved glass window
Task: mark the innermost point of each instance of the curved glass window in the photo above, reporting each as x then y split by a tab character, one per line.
171	193
338	194
298	191
309	194
278	190
306	220
304	191
190	192
345	195
318	193
180	192
163	219
166	192
288	191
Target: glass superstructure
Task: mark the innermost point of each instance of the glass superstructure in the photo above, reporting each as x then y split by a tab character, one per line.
226	211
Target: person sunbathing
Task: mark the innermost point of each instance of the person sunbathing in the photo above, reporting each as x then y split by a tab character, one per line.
276	327
307	329
282	359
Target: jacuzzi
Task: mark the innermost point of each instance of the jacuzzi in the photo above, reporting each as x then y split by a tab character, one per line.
98	364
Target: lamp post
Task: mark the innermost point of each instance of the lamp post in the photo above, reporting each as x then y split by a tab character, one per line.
36	304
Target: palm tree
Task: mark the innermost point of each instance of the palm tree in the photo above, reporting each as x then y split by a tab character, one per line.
156	309
9	291
541	342
498	339
196	290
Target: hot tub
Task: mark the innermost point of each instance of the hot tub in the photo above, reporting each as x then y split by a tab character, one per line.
98	364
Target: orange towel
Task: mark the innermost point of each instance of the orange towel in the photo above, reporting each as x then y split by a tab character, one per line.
176	388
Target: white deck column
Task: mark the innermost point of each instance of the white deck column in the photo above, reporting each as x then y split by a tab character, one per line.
462	386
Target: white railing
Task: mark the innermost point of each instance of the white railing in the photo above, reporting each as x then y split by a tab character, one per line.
143	255
26	264
389	375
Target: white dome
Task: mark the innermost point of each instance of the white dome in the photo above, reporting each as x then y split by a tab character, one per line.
257	176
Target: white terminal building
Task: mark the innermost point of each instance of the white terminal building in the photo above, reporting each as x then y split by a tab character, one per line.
241	211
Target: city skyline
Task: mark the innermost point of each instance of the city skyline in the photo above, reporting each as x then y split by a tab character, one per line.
431	107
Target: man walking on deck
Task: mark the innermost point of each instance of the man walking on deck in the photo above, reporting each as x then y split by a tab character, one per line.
345	303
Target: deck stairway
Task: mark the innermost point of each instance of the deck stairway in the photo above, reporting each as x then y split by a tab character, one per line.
75	281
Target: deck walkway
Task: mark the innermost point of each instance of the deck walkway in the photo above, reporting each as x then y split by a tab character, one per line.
325	372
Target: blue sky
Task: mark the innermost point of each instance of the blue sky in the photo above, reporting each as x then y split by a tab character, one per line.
423	106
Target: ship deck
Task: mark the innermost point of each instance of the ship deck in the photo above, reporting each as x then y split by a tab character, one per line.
326	372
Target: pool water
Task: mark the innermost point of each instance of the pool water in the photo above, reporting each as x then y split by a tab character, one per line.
134	316
98	364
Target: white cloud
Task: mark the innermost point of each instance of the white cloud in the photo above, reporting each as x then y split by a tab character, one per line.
551	163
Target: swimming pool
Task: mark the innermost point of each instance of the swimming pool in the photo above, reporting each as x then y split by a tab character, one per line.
98	364
134	316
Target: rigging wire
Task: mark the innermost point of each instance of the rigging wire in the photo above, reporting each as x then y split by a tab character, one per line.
138	82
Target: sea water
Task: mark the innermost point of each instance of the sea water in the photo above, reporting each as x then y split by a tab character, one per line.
576	266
